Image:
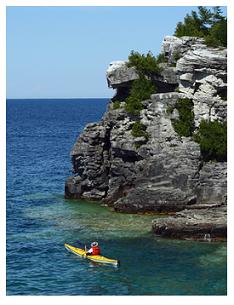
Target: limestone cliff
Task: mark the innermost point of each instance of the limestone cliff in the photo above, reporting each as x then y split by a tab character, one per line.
165	171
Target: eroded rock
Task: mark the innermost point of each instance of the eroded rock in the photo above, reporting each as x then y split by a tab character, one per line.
165	172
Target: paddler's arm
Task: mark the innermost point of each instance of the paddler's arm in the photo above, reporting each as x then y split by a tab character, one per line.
87	252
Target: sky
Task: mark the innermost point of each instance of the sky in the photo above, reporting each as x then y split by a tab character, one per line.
63	52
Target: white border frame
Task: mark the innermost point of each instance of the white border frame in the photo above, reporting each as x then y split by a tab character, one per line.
104	299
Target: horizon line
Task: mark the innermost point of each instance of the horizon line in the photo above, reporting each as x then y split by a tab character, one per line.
52	98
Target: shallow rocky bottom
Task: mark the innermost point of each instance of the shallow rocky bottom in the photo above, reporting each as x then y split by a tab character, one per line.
208	224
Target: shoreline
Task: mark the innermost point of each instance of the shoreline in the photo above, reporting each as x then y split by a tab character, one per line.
194	224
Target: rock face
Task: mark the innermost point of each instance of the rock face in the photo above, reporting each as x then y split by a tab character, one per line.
164	173
202	73
118	74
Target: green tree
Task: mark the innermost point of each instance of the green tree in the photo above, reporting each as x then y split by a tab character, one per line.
144	64
141	89
184	125
205	16
161	58
209	24
217	14
212	137
218	34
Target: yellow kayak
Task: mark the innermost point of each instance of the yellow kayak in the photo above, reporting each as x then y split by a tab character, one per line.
94	258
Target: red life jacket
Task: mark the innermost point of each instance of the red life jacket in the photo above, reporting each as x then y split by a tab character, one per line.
96	250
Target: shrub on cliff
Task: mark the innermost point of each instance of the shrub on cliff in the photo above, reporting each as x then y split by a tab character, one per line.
212	137
144	64
133	105
141	89
116	105
139	130
161	58
209	24
184	126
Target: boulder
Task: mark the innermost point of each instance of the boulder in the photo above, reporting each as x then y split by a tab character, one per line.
119	74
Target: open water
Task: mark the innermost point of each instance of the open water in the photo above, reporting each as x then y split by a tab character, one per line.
40	135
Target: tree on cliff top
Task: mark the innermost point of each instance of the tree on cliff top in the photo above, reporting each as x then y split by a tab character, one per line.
209	24
145	64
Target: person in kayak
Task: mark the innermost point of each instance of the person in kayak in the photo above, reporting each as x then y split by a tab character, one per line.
94	250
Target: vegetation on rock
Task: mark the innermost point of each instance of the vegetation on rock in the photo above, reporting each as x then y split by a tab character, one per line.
147	66
212	137
184	126
116	105
144	64
177	56
170	109
139	130
141	89
161	58
209	24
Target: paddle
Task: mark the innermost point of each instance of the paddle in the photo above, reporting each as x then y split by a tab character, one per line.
83	245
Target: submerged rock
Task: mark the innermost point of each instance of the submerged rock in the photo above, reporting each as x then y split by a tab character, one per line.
163	172
208	223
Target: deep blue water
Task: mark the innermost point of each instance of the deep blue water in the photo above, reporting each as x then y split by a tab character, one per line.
40	135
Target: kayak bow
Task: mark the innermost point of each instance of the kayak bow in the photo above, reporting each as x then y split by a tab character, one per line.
94	258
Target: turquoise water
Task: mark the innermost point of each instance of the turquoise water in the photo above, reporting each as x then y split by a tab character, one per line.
40	135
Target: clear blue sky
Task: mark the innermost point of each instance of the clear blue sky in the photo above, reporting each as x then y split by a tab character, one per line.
64	51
